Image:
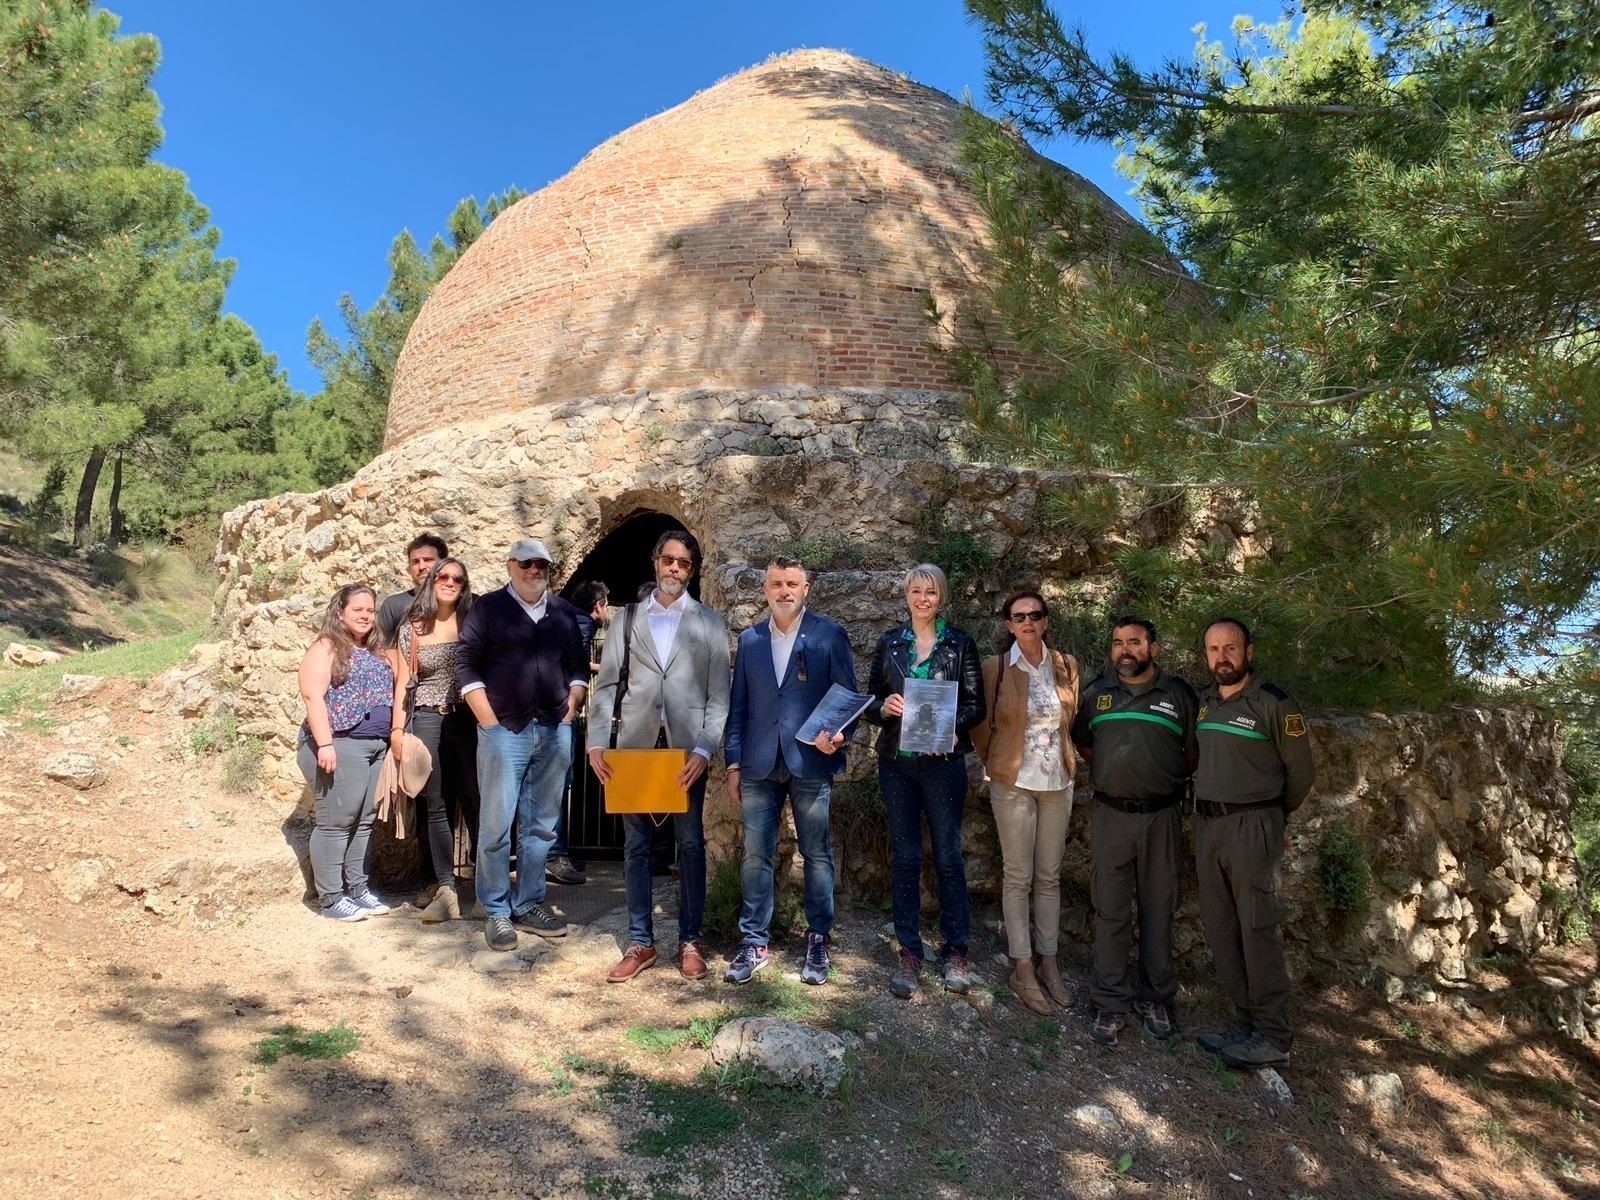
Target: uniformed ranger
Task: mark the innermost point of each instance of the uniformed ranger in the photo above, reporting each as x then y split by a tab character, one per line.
1135	725
1255	769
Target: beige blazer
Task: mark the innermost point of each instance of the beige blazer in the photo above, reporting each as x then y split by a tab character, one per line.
687	695
998	737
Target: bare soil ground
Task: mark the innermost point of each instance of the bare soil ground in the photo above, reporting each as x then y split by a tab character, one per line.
155	936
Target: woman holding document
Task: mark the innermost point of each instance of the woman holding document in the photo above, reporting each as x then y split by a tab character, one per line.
927	692
1026	748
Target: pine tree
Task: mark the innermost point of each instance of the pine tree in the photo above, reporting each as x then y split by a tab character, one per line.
1383	330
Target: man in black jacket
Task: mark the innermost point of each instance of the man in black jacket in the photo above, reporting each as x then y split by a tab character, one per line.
523	672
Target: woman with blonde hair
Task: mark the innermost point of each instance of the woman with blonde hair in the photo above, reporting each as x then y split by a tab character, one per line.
1027	753
926	788
354	692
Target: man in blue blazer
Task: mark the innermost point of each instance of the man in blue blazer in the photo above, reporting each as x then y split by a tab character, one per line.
784	667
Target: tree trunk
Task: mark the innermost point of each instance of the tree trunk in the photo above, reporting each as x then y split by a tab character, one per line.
85	510
119	529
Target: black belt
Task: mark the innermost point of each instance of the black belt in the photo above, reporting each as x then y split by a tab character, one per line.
1210	808
444	710
1150	804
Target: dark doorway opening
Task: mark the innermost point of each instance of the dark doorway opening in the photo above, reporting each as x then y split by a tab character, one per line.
621	561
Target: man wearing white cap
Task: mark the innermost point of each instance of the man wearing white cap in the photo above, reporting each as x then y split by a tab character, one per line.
524	673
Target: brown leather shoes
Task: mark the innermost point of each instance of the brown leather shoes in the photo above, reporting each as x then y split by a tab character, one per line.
691	961
1055	987
637	958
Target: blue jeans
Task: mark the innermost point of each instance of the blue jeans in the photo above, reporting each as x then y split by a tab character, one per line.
519	778
935	788
689	828
761	806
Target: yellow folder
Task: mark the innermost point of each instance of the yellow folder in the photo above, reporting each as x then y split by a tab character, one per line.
646	781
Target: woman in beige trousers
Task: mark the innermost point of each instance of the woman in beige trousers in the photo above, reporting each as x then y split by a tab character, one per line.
1026	747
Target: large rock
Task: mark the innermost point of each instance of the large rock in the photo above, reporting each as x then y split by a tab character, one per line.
78	687
75	769
19	654
793	1055
1382	1093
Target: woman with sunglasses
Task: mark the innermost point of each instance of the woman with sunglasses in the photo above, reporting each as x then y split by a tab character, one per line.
351	687
1027	753
427	643
929	788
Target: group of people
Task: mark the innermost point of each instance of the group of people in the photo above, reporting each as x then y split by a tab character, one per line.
492	686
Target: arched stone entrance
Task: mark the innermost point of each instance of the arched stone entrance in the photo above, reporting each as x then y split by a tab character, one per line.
621	561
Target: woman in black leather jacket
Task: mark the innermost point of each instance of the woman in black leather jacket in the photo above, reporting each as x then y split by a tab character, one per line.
931	786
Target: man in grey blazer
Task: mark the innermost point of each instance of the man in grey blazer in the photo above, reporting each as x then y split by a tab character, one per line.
676	696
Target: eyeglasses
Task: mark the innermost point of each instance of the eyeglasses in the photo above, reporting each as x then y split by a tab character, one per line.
453	580
1032	615
668	560
526	563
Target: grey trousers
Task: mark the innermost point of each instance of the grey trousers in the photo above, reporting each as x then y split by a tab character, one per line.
344	813
1135	859
1237	860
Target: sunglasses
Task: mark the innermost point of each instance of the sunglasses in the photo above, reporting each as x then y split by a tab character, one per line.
668	560
525	563
453	580
1032	615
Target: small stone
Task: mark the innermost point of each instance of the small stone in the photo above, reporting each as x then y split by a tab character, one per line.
19	655
80	880
78	687
496	962
963	1012
1382	1093
1096	1117
1302	1164
1276	1087
75	769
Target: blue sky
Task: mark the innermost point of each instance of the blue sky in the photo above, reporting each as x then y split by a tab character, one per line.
316	132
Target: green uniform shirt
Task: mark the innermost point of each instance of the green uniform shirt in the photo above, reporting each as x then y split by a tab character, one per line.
1254	748
1141	735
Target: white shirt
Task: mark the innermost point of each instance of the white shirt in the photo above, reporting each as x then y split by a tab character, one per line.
664	622
783	645
536	613
1042	769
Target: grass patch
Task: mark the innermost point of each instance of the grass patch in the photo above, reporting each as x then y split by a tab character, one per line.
241	769
689	1116
656	1039
141	660
334	1042
1344	879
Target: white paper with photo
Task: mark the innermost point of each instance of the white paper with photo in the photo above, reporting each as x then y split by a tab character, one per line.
833	712
929	723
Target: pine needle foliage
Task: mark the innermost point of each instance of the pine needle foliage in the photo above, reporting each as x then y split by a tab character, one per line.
1366	300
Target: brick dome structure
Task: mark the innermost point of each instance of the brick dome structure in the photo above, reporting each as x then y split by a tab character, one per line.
785	228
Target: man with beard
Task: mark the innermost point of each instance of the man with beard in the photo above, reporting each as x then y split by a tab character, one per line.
1135	725
422	552
676	653
784	667
1255	769
524	673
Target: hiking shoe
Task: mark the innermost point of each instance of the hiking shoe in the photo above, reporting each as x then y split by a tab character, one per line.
540	920
445	906
1106	1027
1213	1041
905	983
1253	1053
1156	1017
746	963
344	909
500	933
366	900
957	973
816	966
561	870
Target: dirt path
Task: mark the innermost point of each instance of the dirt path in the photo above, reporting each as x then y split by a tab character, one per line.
156	937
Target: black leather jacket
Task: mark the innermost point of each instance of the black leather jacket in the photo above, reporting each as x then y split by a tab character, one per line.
955	656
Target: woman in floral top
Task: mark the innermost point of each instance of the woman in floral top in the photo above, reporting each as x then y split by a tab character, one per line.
351	688
427	636
1027	753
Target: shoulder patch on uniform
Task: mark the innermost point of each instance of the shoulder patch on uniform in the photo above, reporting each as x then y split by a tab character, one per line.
1201	716
1274	691
1294	725
1104	702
